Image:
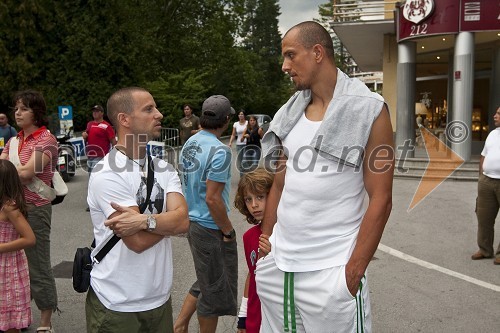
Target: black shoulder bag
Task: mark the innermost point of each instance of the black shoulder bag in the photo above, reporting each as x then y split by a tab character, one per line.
82	264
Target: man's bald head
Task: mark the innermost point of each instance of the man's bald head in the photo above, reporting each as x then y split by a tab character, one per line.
310	33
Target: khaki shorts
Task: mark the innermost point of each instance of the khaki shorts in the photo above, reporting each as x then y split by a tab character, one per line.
102	320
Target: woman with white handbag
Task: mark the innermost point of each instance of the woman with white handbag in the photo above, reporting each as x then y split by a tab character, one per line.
34	152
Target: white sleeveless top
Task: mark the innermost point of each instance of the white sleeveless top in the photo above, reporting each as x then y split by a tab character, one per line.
239	132
321	207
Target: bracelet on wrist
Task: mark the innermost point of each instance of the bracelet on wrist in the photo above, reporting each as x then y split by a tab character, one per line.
230	235
242	323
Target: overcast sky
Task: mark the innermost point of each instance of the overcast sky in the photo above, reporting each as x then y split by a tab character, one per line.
296	11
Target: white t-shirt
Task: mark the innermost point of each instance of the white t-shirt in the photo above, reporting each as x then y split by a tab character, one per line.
321	207
239	132
124	280
491	153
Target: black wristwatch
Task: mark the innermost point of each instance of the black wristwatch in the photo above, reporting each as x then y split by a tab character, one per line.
230	235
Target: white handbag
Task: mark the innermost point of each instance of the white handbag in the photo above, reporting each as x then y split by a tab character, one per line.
54	194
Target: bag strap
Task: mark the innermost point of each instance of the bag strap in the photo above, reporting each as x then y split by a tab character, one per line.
149	188
142	207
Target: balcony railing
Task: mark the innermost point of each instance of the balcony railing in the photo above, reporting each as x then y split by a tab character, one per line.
348	11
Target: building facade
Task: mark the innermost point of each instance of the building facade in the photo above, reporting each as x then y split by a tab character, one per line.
440	61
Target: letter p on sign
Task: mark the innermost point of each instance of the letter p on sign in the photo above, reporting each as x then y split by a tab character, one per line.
65	112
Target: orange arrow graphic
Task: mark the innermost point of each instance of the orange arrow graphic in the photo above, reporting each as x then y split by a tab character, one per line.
443	161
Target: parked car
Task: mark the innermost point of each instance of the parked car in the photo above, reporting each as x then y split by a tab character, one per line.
263	120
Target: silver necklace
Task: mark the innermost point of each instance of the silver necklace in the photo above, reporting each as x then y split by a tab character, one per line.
131	159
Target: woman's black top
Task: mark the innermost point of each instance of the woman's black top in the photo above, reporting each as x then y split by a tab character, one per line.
254	137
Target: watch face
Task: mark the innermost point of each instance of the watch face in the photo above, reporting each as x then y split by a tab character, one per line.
151	223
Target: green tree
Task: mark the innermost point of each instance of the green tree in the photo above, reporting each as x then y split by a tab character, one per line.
78	52
105	47
25	26
261	37
176	90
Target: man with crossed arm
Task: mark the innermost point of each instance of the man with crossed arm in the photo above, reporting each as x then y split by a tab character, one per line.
131	287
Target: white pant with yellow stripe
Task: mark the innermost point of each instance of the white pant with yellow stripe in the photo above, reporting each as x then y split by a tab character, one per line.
315	302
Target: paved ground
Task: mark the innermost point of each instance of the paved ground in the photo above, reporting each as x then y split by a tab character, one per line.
422	279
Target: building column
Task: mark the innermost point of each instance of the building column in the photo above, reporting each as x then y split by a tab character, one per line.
463	89
494	86
406	79
449	91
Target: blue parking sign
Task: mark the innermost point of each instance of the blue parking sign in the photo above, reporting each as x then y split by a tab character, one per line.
65	112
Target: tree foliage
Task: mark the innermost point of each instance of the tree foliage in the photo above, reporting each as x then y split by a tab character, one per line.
77	52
